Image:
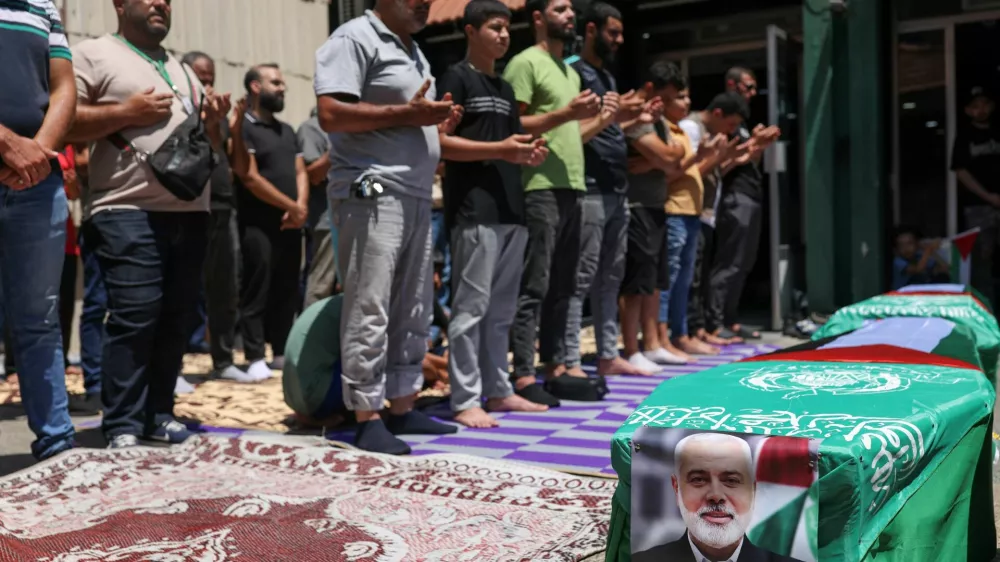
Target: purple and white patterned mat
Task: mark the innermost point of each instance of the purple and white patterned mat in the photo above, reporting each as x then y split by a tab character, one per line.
575	436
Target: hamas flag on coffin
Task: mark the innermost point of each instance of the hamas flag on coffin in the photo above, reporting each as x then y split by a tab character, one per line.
959	304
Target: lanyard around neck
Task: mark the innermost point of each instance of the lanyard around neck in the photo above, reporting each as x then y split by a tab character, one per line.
159	66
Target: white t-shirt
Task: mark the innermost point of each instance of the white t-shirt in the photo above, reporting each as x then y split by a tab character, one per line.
694	132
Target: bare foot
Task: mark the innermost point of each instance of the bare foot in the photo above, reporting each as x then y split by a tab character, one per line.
713	339
576	372
619	366
695	346
477	418
735	339
669	346
514	403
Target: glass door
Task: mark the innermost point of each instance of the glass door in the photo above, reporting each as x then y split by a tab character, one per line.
924	194
781	165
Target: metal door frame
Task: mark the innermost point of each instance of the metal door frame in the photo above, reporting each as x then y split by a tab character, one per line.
779	262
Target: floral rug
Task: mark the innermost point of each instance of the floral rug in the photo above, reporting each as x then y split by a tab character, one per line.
216	499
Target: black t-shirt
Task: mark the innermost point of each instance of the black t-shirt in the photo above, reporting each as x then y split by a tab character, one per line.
745	179
606	155
486	192
275	147
222	177
977	151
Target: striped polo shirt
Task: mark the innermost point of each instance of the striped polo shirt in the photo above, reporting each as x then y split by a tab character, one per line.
31	33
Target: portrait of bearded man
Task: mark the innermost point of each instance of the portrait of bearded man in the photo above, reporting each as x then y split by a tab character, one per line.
715	484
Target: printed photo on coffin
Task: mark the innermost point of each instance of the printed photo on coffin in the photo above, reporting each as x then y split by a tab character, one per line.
700	495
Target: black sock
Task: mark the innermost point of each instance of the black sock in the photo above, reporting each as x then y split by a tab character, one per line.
535	393
417	423
373	436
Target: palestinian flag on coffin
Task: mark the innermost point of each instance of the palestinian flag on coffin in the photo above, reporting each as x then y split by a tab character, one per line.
928	335
957	303
786	515
943	290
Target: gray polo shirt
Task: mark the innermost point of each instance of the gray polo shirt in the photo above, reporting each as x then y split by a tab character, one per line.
363	58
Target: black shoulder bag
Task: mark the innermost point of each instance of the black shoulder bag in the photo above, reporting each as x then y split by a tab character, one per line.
183	164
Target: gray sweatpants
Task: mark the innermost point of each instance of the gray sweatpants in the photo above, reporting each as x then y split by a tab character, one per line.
322	271
384	258
603	242
486	265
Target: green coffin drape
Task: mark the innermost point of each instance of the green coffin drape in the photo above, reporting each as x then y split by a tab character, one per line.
904	463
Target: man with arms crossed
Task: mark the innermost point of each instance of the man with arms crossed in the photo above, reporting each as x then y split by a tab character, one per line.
551	104
37	104
375	96
484	211
273	207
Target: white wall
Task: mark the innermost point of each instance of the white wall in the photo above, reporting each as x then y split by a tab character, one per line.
236	33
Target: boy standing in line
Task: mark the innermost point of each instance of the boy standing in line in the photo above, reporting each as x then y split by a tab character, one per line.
484	213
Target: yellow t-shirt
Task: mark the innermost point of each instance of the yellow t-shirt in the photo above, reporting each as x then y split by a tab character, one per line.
686	194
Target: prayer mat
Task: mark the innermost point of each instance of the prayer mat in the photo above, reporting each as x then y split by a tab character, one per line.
575	437
242	499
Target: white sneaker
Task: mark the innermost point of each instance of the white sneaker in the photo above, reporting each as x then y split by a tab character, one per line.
182	386
639	361
663	357
233	373
259	371
123	442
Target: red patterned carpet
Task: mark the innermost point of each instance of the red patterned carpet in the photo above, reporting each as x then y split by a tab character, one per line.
215	499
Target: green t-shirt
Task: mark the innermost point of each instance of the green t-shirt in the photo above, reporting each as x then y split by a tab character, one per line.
546	83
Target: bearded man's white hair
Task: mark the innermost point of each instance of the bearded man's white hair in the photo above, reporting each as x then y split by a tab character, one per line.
717	536
717	438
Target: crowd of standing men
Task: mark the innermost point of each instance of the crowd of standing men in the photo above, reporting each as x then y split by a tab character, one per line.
557	188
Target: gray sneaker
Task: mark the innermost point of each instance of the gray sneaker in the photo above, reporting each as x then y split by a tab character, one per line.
123	442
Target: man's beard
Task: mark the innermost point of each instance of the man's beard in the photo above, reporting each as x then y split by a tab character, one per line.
716	536
560	33
272	102
604	51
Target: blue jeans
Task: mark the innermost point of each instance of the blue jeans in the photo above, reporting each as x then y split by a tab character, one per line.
95	309
439	233
682	252
32	244
152	264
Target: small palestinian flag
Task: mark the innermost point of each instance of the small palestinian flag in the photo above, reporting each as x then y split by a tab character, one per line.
961	256
785	515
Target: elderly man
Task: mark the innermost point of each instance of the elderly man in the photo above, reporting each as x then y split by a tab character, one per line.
715	487
375	95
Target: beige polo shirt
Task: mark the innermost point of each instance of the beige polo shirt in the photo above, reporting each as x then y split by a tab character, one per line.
109	71
686	194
